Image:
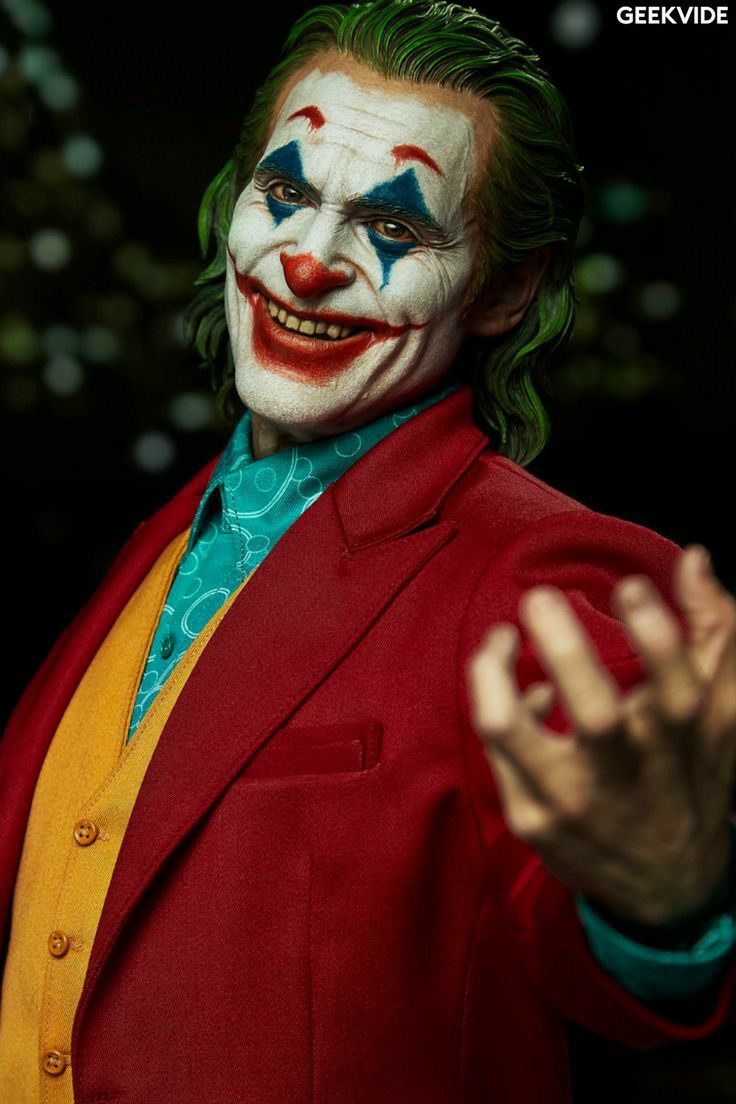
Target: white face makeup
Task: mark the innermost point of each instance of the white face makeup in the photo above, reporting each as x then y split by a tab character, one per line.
350	254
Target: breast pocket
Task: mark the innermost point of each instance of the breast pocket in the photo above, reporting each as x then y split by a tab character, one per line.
349	747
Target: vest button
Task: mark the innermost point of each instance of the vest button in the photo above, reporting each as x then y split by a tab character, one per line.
54	1062
58	943
85	832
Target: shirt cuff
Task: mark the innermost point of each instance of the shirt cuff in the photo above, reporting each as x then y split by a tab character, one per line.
653	974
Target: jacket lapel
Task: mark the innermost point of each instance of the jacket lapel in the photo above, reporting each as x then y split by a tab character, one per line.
37	715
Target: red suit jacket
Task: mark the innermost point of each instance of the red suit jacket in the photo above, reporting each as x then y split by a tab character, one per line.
317	900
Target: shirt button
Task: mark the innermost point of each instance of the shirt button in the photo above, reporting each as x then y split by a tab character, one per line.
54	1062
58	943
167	646
85	832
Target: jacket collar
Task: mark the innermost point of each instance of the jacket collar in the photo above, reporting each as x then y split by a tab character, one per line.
416	467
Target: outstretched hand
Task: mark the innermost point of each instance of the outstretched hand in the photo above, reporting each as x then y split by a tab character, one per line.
632	807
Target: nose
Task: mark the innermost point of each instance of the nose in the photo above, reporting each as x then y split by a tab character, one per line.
307	276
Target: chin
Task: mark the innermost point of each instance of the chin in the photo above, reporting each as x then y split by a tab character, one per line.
299	407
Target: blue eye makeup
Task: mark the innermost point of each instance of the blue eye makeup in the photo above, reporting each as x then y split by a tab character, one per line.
388	251
285	161
279	209
402	194
399	196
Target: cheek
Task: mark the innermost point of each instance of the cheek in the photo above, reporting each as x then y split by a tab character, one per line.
254	230
425	285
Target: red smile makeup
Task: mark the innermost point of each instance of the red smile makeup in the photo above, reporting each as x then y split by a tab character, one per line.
314	346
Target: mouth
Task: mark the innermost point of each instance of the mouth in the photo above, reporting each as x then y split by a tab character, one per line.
312	346
308	325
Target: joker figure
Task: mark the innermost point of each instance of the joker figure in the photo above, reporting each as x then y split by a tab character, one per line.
374	760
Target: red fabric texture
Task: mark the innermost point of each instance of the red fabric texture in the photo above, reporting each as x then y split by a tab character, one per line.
317	899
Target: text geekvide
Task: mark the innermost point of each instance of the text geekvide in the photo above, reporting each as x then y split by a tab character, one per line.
702	16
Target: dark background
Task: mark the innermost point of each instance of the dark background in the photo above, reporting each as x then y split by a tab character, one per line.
113	119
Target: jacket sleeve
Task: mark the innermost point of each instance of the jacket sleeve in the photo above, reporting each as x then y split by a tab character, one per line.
583	554
655	974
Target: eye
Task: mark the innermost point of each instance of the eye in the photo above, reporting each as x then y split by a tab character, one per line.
394	231
287	193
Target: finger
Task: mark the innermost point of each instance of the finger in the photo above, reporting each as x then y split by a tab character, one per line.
494	695
722	700
709	608
524	808
653	628
539	699
505	723
588	691
640	717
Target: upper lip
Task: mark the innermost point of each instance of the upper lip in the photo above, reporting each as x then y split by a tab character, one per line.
358	322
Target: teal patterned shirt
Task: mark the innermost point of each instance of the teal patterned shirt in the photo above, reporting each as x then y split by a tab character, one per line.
247	507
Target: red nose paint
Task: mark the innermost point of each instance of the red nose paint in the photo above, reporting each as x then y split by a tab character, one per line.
307	276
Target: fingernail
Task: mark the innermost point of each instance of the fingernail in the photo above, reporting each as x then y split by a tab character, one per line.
702	556
503	637
634	593
541	598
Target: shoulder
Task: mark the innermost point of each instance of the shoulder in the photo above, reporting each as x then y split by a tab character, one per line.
525	521
532	534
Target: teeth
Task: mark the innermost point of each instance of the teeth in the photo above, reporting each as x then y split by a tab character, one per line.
306	325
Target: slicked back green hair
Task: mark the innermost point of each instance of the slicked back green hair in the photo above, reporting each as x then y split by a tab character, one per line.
531	196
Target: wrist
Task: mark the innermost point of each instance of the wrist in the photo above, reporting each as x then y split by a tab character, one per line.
684	929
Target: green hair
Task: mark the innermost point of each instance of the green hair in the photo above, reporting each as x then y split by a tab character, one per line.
531	195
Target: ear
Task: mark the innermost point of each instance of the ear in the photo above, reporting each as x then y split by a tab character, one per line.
502	303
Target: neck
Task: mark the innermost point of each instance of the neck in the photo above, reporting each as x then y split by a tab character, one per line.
266	437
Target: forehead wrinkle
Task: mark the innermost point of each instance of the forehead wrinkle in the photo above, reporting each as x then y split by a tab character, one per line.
325	137
393	110
462	153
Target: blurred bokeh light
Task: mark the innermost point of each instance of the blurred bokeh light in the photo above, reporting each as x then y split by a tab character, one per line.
575	24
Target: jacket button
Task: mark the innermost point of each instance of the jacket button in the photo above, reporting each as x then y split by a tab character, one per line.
58	943
54	1062
85	832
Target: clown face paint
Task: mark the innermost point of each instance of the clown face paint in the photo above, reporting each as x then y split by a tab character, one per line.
350	251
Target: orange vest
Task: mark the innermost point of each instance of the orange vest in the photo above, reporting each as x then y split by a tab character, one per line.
82	803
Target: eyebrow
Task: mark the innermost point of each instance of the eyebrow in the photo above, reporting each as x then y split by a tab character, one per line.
395	209
312	114
416	153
